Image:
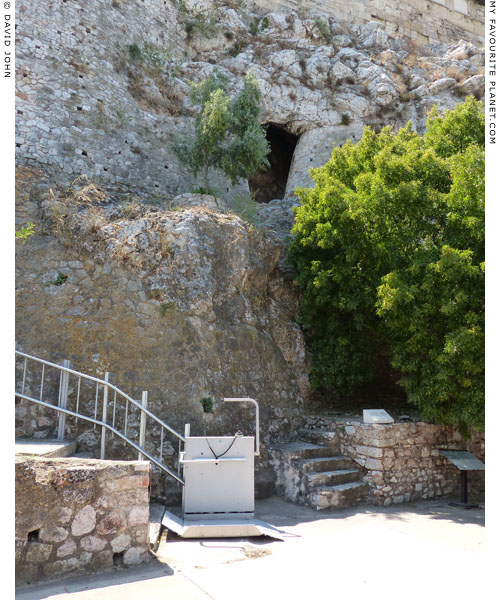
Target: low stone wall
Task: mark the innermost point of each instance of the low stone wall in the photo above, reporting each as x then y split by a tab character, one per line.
79	516
403	463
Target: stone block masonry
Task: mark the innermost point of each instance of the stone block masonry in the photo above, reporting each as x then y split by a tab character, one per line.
79	516
403	463
419	20
75	113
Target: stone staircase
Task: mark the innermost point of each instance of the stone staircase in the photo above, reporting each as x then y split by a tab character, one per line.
311	471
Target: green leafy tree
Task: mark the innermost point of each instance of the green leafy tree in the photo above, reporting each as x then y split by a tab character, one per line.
227	133
389	252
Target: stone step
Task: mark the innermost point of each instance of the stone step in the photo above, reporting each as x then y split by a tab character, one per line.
339	496
326	463
328	478
156	512
321	437
303	450
46	448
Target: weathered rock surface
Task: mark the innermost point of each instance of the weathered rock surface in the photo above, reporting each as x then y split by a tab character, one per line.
91	107
186	303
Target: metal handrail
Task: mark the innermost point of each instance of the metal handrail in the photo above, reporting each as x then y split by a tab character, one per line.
109	385
61	408
257	434
101	423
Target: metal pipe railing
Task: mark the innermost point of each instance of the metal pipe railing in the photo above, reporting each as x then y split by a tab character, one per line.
65	372
104	383
257	435
100	423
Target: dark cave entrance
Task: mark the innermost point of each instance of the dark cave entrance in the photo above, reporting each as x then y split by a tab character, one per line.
271	183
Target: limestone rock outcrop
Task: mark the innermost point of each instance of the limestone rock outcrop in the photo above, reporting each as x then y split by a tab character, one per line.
118	92
186	302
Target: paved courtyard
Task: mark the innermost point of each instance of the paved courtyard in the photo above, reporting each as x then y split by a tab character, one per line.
424	550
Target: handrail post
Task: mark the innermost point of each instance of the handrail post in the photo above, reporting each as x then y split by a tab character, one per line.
187	433
257	428
142	427
63	400
104	416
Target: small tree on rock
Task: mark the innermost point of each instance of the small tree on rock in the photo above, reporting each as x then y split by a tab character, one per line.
227	133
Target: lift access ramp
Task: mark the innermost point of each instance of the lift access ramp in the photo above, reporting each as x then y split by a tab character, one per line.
218	493
218	472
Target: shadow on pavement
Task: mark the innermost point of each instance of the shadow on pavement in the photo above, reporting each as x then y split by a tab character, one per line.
282	514
151	569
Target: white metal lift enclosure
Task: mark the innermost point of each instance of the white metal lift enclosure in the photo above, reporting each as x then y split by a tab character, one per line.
218	493
218	487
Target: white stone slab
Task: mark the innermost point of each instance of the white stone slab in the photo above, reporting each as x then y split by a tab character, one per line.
377	415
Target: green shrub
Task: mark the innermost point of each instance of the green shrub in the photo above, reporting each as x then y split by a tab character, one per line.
253	28
324	29
258	25
206	25
208	191
389	252
153	57
60	279
24	232
134	51
207	404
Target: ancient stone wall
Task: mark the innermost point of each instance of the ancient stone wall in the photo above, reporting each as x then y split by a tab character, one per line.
85	103
79	516
421	20
402	462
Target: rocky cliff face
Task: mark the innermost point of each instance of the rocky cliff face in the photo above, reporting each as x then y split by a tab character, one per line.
103	86
186	302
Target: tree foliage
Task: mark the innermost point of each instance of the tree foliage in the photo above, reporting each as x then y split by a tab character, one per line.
389	252
227	133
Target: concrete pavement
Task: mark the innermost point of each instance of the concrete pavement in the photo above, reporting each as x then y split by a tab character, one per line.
424	550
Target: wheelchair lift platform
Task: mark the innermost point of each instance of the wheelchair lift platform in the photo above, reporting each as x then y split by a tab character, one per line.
205	528
218	492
